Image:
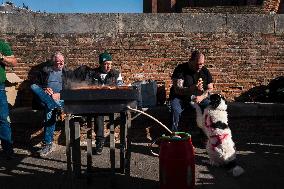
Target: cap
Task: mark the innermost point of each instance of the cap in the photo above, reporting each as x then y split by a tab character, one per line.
104	57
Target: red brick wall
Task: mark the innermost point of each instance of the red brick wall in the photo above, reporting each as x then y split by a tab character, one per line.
238	62
199	6
271	5
251	7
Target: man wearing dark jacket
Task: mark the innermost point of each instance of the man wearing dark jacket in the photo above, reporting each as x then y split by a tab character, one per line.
103	75
192	81
47	88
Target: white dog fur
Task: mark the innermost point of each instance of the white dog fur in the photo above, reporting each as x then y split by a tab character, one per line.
220	146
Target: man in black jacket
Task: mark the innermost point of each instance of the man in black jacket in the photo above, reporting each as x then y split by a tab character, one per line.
47	87
191	81
103	75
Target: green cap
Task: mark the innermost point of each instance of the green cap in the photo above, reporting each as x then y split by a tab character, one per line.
104	57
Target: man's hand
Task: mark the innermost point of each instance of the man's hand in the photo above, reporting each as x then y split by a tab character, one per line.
48	91
199	85
198	99
56	96
8	60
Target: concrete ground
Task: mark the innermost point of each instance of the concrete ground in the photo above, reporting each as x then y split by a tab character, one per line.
259	141
263	163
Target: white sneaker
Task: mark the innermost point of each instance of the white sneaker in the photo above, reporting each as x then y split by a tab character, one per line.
237	171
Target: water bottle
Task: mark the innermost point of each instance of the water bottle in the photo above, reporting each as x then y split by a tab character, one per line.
119	82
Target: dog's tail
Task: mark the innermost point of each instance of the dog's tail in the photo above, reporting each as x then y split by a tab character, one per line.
199	115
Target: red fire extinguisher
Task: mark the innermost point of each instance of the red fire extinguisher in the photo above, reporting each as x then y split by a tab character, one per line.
176	161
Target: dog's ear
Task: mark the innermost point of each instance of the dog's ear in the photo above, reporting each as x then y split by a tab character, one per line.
215	100
223	98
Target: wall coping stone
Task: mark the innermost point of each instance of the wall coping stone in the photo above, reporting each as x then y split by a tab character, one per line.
110	24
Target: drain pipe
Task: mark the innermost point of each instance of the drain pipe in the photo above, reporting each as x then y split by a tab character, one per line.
161	124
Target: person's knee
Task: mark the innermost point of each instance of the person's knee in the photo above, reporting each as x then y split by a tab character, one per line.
34	86
176	107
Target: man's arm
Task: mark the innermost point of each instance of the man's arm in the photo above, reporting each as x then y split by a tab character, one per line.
8	60
209	90
181	90
205	94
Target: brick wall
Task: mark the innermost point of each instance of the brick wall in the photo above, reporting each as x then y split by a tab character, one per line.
242	51
211	6
271	5
251	7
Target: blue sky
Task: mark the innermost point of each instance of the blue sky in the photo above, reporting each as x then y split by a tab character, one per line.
82	6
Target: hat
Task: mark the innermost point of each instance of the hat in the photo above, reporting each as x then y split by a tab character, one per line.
104	57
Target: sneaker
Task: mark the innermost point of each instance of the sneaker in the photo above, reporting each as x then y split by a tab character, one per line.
47	149
99	148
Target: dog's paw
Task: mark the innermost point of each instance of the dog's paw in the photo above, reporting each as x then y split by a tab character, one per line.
237	171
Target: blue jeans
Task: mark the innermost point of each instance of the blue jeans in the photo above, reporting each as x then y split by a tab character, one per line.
178	106
5	129
50	115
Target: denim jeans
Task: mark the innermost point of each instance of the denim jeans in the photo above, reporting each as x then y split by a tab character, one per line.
5	129
44	98
178	106
50	115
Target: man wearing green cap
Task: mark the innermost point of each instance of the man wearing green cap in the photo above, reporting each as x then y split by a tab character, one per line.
6	59
104	75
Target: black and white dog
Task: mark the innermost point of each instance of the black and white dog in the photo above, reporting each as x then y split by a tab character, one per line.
214	123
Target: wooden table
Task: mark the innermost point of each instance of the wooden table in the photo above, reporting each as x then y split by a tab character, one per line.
90	104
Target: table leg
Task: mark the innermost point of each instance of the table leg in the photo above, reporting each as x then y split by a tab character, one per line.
68	147
112	143
76	151
123	129
128	144
90	126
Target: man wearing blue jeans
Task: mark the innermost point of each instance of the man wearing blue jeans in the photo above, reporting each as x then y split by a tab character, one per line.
47	88
6	59
191	82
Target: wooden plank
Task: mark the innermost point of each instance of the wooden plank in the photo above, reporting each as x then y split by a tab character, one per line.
90	126
123	126
91	95
68	147
112	143
128	144
77	150
82	107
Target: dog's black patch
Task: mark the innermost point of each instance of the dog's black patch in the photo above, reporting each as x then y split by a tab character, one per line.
215	100
219	125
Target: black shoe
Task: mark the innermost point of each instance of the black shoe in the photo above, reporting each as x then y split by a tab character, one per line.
99	148
9	155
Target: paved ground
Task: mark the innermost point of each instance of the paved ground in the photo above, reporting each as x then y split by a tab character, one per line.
263	163
260	154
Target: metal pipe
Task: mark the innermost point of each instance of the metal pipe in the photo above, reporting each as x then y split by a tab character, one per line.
136	110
